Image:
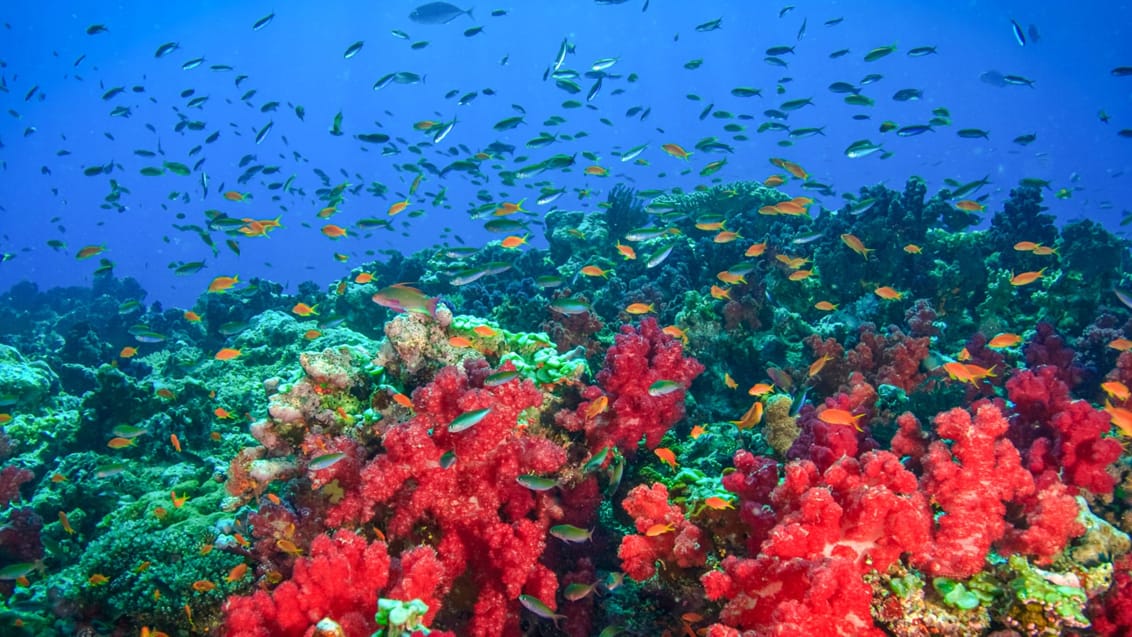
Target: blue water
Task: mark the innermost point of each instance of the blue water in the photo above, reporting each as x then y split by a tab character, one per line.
298	59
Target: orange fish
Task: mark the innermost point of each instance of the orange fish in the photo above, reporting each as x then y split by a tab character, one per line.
287	546
176	442
818	365
403	400
1026	278
302	309
769	210
484	331
659	529
856	245
459	341
597	407
756	250
640	308
1121	418
221	413
1116	389
66	523
203	586
676	151
513	242
720	294
1026	246
596	171
791	208
128	352
759	389
676	332
363	278
333	231
327	212
958	371
227	354
159	513
1120	344
800	275
792	262
697	431
232	195
718	503
729	382
969	205
963	355
825	306
1006	339
711	226
725	236
98	579
205	549
840	417
237	573
274	499
790	167
222	283
774	181
191	316
889	294
121	443
731	278
398	206
166	393
666	456
90	251
58	477
912	248
752	417
178	502
508	208
1044	251
593	270
626	251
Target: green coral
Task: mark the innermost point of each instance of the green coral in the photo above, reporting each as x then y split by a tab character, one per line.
1043	602
396	618
532	353
969	595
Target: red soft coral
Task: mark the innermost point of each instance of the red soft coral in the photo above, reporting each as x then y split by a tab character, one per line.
484	522
638	358
833	527
341	580
971	481
683	544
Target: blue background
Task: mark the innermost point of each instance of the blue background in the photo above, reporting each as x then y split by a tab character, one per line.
298	59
